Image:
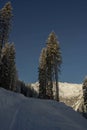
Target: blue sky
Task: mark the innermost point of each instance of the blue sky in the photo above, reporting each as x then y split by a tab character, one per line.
34	20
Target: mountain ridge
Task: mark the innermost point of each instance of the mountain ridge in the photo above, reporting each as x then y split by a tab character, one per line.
69	93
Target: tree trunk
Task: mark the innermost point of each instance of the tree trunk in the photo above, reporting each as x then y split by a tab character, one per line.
57	86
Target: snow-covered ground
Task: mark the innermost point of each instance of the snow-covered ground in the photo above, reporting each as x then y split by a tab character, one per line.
20	113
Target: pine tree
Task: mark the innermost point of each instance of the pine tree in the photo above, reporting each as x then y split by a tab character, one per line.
5	27
9	73
85	92
42	74
12	68
54	61
5	23
51	61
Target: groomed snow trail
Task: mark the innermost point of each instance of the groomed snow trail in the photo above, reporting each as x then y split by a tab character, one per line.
20	113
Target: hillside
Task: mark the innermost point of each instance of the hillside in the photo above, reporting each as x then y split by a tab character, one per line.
20	113
69	93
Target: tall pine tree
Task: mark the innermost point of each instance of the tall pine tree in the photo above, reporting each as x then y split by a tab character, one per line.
53	61
5	27
42	74
9	73
5	23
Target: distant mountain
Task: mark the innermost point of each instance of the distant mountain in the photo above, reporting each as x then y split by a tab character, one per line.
69	93
20	113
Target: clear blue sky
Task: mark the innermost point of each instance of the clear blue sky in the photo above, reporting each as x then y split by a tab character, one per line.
34	20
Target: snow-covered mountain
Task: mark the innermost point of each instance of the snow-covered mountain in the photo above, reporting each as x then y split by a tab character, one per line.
20	113
69	93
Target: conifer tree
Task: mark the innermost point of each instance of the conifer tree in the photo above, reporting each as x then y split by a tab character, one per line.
9	73
85	93
5	27
5	67
5	23
42	74
12	68
53	61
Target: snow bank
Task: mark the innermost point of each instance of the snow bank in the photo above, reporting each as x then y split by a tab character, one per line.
20	113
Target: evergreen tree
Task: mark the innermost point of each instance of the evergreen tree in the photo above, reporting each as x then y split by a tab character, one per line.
42	74
5	23
5	27
12	68
85	92
52	62
9	73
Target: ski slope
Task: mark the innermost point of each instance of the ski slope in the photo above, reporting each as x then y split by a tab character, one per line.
20	113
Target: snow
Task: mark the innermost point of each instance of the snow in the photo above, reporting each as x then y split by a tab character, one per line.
70	89
69	93
35	86
20	113
65	89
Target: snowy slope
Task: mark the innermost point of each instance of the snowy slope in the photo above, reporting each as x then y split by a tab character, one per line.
69	93
65	89
20	113
69	90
